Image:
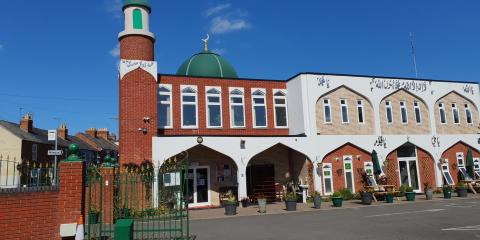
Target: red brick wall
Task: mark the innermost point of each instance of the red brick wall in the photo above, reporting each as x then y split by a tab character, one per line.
451	155
358	165
134	47
138	99
247	85
38	215
426	169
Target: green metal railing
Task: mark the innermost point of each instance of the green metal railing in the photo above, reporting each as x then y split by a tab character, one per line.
153	197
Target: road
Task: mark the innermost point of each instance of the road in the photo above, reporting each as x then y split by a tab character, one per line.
452	219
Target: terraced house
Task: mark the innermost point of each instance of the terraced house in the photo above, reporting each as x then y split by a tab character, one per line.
248	135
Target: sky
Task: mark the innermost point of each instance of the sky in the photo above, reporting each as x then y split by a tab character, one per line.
58	59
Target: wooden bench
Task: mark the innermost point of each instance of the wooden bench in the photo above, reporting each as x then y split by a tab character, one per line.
386	189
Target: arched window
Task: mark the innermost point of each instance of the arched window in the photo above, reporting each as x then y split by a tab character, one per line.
137	19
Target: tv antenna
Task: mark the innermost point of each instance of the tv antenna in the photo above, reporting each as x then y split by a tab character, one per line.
413	54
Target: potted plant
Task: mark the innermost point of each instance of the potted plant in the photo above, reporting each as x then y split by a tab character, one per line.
317	200
262	203
244	201
230	204
93	214
337	199
290	199
428	191
447	191
409	194
389	197
462	189
366	196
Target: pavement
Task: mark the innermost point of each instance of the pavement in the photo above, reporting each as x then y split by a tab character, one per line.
456	218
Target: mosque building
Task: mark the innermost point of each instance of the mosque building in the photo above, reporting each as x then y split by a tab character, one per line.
248	135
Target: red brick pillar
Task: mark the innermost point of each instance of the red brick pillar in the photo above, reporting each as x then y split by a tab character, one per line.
70	198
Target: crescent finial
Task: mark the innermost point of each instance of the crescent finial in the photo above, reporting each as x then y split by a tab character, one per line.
205	43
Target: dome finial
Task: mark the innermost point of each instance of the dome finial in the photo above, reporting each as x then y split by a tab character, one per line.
205	43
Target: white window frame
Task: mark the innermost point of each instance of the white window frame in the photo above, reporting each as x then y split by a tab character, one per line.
207	104
455	108
467	110
403	106
345	104
330	169
34	152
388	106
264	97
284	92
169	94
460	156
231	104
416	106
368	165
327	105
446	171
441	108
348	159
360	108
182	94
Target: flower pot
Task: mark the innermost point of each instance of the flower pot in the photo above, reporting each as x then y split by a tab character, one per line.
462	192
317	201
429	194
244	203
262	205
337	201
410	196
93	218
230	208
447	194
291	205
389	198
367	198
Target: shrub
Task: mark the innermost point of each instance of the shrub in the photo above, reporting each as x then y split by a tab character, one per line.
337	194
291	196
402	189
346	194
409	189
461	185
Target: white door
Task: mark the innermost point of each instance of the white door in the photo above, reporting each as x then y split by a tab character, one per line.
199	186
408	172
349	177
327	179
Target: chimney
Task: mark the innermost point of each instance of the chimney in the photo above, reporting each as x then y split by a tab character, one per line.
112	137
92	132
26	124
62	131
103	133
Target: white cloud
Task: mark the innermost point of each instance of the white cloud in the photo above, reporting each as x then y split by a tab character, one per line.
114	7
219	51
115	52
225	24
216	9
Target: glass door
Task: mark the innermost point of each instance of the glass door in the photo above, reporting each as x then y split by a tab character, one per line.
349	179
409	172
198	186
202	185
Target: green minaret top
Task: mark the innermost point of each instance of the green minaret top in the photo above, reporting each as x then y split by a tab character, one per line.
140	3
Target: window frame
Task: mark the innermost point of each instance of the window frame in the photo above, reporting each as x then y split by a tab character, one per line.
441	109
467	109
264	97
275	105
231	104
416	106
348	159
360	106
207	104
330	169
169	87
182	94
325	112
137	19
345	104
458	156
34	152
388	106
455	109
403	106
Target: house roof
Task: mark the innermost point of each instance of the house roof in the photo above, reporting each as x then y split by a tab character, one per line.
102	143
41	136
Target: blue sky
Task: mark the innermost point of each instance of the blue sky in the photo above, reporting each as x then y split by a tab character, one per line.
58	58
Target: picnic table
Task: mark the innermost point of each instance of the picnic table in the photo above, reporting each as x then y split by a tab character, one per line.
470	184
381	190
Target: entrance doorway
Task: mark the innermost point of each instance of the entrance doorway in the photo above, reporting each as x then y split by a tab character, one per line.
408	166
198	186
261	180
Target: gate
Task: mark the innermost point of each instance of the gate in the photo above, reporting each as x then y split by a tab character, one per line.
153	197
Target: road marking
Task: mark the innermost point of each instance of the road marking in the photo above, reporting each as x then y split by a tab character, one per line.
403	213
466	228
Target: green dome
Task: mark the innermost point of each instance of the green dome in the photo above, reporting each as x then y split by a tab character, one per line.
207	64
141	3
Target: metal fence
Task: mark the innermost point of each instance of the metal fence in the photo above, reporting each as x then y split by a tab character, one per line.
25	174
153	197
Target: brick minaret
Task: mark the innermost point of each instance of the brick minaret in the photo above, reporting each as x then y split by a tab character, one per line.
138	84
